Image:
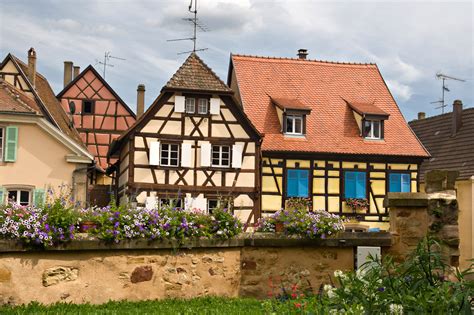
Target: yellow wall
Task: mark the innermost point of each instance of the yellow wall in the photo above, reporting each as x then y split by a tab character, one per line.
465	195
41	161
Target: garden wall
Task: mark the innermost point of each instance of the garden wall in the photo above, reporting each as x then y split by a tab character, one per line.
90	271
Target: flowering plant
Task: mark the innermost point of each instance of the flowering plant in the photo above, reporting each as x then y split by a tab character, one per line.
298	204
318	224
357	204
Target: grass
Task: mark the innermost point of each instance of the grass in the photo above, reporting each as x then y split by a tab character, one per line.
206	305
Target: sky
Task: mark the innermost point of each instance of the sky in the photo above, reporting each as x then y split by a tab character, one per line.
410	41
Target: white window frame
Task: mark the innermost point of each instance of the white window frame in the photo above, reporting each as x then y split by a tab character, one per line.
220	151
203	106
18	194
2	142
166	201
209	209
371	134
190	101
293	118
168	158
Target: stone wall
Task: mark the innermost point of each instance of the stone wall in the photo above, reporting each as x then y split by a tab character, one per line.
90	271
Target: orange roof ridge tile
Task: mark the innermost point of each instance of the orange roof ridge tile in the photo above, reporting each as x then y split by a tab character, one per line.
305	60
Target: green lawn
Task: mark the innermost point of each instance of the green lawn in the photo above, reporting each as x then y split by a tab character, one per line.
208	305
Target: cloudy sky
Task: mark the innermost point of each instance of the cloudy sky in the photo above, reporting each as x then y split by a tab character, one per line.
409	40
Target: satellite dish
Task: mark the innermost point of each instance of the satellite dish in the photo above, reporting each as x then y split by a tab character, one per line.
72	107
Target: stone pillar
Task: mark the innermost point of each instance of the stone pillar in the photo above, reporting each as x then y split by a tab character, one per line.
416	215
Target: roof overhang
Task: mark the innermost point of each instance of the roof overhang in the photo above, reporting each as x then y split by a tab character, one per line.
290	105
368	110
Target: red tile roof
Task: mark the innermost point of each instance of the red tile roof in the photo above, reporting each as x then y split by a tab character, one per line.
13	100
289	103
324	87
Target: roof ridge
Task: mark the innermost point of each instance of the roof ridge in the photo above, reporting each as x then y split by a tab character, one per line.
440	116
306	60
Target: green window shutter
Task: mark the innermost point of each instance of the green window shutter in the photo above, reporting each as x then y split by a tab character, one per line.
38	197
11	143
3	196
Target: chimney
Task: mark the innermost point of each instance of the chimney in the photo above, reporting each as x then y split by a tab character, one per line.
77	70
421	115
457	117
32	66
302	53
140	100
67	72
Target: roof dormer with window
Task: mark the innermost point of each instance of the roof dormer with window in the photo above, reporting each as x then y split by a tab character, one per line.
292	116
370	120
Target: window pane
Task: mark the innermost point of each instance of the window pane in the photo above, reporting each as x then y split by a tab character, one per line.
299	125
303	183
394	183
24	197
190	105
405	183
12	195
367	128
289	124
376	125
202	107
297	183
360	185
349	185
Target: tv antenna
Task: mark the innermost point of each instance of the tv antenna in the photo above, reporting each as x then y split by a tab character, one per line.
106	62
444	77
196	25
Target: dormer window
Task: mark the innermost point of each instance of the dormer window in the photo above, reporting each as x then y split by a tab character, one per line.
372	129
294	124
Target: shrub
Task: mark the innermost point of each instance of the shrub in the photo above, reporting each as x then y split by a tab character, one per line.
318	224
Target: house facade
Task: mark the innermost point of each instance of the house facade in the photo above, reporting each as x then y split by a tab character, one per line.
99	114
333	134
38	148
450	140
194	145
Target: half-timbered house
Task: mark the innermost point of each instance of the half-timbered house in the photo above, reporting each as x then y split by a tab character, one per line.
194	144
333	132
100	115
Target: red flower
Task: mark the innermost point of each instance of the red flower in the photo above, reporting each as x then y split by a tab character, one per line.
294	295
298	305
301	295
294	287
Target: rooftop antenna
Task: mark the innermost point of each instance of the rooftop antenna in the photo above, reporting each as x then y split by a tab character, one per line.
196	25
106	62
444	77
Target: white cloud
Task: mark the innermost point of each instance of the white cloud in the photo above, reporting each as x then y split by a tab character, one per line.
399	90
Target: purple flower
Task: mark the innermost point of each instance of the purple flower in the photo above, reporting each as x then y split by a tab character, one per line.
381	289
116	225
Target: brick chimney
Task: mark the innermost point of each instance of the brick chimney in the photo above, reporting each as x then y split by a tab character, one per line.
302	53
77	70
32	66
67	72
421	115
140	100
457	117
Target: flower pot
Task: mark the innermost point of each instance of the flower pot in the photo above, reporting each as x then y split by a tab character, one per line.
86	225
279	227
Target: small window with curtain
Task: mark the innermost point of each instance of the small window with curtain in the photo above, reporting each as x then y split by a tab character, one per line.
294	125
297	183
19	196
355	185
190	105
399	182
203	106
372	129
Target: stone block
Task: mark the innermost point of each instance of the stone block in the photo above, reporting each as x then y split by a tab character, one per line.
249	265
5	275
141	274
55	275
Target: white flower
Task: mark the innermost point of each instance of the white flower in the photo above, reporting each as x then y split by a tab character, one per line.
327	287
331	293
338	273
396	309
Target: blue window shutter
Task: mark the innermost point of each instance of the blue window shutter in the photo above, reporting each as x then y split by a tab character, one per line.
350	185
395	183
38	197
405	179
11	143
360	185
292	183
303	183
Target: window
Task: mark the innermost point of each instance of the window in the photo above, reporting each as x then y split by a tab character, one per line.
87	107
19	196
174	203
212	204
372	129
297	182
294	124
190	105
202	106
355	185
399	182
2	136
221	155
169	154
